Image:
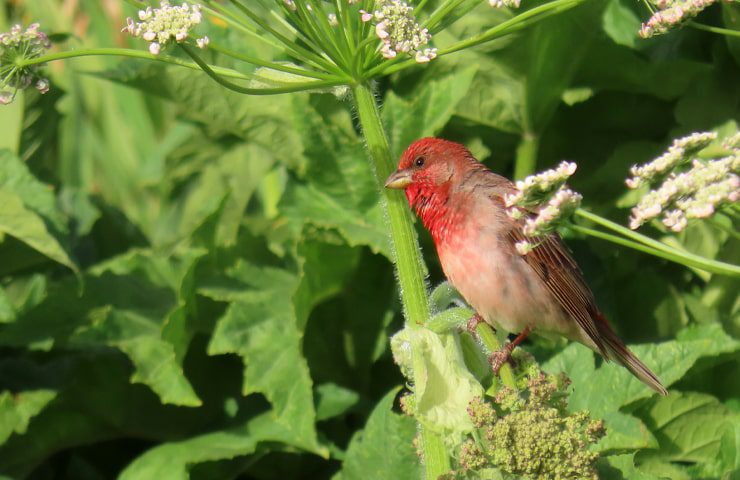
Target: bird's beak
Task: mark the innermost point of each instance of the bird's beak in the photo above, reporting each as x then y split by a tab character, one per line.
399	179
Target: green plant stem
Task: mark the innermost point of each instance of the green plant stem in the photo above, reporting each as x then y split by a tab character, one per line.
407	256
289	88
440	14
228	17
519	22
488	337
526	155
406	253
295	50
718	30
656	248
125	52
272	65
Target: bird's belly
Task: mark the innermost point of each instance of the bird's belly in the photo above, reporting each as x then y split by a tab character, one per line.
501	287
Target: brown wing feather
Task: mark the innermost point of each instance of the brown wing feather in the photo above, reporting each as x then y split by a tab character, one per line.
554	264
552	261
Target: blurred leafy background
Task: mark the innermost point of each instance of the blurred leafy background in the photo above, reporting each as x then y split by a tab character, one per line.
196	284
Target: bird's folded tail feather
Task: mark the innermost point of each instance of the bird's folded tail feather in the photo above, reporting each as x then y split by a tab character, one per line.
618	352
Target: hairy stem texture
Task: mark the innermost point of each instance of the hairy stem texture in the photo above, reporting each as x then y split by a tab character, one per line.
406	254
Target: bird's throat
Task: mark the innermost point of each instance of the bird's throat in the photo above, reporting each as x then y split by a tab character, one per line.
432	206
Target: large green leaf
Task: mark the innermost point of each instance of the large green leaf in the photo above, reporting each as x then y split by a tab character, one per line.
689	428
21	222
259	120
262	330
495	97
260	326
173	460
17	409
30	212
384	448
129	303
339	191
621	23
555	49
427	110
604	390
622	467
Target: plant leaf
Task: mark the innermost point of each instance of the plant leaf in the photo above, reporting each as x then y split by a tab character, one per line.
383	449
24	224
602	391
17	409
427	110
173	460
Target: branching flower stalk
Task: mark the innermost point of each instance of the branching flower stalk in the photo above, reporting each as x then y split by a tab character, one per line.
332	44
668	15
530	434
16	47
686	193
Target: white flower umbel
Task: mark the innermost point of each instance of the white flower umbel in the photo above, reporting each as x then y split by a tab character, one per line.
698	192
533	189
672	13
159	26
542	203
504	3
15	46
559	207
678	153
396	27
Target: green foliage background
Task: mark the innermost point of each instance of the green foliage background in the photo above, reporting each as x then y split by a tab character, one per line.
196	284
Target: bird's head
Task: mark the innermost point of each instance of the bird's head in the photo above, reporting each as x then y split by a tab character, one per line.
429	167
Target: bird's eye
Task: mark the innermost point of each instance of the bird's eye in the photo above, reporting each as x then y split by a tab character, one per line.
419	162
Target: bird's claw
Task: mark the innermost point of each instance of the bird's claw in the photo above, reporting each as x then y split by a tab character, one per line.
473	323
498	358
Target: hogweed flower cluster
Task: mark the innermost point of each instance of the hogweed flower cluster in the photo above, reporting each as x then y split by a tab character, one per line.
670	14
15	46
675	155
161	25
504	3
696	192
546	194
397	28
530	433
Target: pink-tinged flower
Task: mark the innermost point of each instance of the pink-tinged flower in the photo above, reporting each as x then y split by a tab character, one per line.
396	27
161	25
16	46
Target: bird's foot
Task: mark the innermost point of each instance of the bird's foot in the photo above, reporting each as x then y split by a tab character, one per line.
498	358
473	323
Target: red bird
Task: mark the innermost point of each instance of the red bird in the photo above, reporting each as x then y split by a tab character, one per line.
461	203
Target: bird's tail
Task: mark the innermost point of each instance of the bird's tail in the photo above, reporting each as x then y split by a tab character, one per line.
618	352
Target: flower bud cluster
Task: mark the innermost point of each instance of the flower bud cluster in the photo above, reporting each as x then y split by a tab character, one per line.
19	44
504	3
158	26
530	433
676	154
670	14
694	193
397	28
546	195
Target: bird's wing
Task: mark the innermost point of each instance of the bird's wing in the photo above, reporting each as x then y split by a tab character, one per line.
553	263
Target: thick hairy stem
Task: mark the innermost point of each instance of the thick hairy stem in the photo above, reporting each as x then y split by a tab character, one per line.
526	156
406	254
654	247
490	342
